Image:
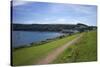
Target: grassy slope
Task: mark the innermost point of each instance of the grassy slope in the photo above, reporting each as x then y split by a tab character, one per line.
30	55
84	50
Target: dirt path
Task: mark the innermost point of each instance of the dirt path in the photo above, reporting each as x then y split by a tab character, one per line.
55	53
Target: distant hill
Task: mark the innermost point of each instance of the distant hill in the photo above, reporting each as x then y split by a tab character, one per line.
52	27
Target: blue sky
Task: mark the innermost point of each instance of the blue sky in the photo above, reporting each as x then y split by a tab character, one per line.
26	12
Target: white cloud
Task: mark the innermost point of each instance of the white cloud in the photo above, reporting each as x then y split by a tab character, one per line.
56	8
82	8
18	2
46	19
58	21
25	22
61	20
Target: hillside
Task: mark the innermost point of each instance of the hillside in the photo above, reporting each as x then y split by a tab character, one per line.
52	27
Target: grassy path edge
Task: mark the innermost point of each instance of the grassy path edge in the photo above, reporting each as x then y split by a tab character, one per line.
52	55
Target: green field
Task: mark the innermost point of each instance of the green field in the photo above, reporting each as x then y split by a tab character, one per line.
30	55
83	51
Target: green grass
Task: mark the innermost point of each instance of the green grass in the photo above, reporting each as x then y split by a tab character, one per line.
83	51
30	55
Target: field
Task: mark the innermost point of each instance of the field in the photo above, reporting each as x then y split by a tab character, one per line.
83	51
30	55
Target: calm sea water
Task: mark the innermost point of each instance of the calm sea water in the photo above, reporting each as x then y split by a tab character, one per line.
21	38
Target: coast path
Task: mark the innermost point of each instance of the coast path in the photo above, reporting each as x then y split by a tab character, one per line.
55	53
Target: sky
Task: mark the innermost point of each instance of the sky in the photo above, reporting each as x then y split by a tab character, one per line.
30	12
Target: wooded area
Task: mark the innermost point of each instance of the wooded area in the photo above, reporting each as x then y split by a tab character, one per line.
53	27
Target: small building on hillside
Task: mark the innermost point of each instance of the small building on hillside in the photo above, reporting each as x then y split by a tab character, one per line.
69	31
75	28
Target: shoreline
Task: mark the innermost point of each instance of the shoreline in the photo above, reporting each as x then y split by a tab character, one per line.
41	42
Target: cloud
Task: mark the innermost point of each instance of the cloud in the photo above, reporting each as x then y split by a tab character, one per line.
58	21
86	9
26	22
47	19
56	8
53	13
18	2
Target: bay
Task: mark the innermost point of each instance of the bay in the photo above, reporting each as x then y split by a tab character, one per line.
21	38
